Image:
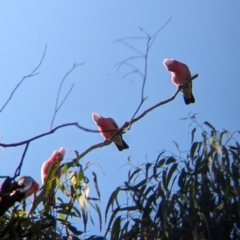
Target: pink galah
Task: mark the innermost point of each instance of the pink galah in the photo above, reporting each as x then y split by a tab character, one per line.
108	127
29	186
57	156
16	191
180	73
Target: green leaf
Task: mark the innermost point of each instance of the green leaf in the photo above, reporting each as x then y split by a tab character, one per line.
65	170
202	169
173	182
60	200
77	211
114	212
192	133
193	149
60	186
80	176
51	177
116	228
124	228
66	212
210	126
164	178
161	162
170	173
182	179
151	188
176	144
197	164
148	165
159	155
143	182
99	215
132	175
96	184
111	200
74	230
226	160
76	152
171	160
61	216
58	183
221	136
155	172
212	140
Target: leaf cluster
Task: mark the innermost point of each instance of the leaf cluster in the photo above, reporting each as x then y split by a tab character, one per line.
54	220
195	196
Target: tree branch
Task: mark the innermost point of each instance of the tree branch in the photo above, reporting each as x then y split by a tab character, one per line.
48	133
18	170
162	102
150	40
57	107
126	126
32	74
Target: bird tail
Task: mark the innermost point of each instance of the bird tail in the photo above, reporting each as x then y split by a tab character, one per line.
122	146
189	100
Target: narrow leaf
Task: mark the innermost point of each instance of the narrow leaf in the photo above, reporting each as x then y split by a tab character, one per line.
96	184
193	149
170	173
111	200
116	228
210	125
171	160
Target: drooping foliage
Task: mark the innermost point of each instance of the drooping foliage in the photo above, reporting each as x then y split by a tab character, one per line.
189	195
42	219
193	195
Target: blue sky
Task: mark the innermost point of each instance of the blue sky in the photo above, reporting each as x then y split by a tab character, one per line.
203	34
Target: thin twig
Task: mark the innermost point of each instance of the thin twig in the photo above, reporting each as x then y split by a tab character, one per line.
150	40
135	69
144	78
149	44
127	59
132	72
130	46
163	102
32	74
57	105
65	97
48	133
75	161
160	29
129	38
18	170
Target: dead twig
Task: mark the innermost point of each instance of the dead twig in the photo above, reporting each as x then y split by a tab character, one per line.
47	133
57	105
32	74
18	169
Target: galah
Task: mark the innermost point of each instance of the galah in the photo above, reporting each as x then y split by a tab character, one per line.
29	186
57	156
108	127
16	191
180	73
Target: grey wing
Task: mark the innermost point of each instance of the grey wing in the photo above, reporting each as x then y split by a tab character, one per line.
114	123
